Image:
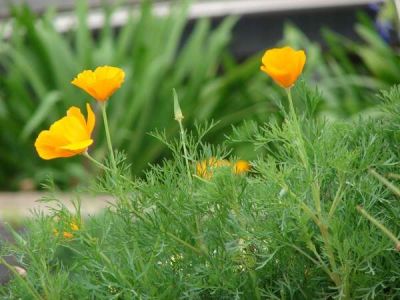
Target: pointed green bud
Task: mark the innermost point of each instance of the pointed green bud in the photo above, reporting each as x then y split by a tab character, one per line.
177	109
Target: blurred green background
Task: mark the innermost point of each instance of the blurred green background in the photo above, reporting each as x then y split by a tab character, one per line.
159	53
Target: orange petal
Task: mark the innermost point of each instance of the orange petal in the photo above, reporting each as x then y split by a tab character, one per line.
241	166
70	129
47	148
76	112
78	147
67	235
301	61
91	119
281	77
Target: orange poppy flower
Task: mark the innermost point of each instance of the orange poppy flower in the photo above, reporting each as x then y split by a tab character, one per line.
205	168
284	65
100	83
241	166
66	234
69	136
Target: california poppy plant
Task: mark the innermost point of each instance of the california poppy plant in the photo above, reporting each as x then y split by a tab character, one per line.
284	65
100	83
69	136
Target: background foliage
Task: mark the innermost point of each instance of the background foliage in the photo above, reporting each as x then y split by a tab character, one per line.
158	54
40	63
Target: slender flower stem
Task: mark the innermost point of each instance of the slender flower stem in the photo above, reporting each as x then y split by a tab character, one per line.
331	256
183	138
302	148
325	237
104	167
96	162
106	127
291	106
386	231
315	192
179	117
303	154
316	262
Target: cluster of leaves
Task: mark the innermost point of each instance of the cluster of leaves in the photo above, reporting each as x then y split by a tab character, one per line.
289	229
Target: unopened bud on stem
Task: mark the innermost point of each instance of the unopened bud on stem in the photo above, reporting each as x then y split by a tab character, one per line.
177	109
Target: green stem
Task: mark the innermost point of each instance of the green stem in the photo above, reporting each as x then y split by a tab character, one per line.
336	200
24	282
291	106
108	136
105	168
203	180
175	217
394	176
315	192
96	162
318	263
386	182
325	237
300	140
183	242
144	219
324	233
183	138
386	231
253	278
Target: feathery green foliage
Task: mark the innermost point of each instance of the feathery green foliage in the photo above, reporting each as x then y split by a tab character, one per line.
289	229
